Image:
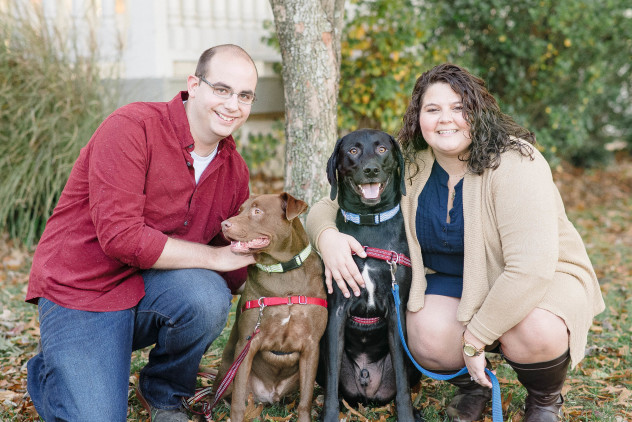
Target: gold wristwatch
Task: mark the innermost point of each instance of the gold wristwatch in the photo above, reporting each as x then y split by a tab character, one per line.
469	349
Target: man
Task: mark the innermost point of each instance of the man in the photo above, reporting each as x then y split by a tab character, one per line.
133	254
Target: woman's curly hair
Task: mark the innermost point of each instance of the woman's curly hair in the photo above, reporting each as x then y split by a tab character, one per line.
492	131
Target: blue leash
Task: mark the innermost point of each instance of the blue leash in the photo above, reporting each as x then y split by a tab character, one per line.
497	410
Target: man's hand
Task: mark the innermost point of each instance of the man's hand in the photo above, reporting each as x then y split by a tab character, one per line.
179	254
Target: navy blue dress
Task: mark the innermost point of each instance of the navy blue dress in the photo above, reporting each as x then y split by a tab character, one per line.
441	242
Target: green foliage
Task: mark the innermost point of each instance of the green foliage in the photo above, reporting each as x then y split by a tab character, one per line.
383	47
261	148
560	67
53	102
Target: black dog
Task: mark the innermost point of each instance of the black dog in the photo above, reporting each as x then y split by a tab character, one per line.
361	355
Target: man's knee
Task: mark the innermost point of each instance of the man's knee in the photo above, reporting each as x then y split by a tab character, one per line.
206	301
77	391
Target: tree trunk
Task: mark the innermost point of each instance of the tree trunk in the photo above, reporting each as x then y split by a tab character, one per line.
309	36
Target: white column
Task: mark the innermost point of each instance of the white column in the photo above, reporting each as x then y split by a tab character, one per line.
174	21
190	25
205	22
219	16
49	9
248	8
146	51
234	13
80	27
108	33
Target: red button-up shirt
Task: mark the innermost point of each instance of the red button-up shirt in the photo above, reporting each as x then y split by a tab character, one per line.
133	186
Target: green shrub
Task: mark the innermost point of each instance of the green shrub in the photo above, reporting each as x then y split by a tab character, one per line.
261	150
559	67
383	50
53	100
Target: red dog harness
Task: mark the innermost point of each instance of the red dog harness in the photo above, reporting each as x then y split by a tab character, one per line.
262	302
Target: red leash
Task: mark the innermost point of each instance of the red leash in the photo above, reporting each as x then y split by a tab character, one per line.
200	393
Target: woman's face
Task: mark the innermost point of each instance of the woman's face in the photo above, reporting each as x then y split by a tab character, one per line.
442	123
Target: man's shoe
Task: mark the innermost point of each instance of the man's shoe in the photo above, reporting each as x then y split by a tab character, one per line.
161	415
164	415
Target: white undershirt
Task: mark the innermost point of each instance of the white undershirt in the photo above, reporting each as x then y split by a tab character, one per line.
201	163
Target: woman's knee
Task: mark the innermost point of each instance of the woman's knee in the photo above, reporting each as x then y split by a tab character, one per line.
539	336
434	345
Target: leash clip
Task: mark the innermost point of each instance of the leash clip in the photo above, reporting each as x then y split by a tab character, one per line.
393	264
261	306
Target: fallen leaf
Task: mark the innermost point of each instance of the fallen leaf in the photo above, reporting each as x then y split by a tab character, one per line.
9	395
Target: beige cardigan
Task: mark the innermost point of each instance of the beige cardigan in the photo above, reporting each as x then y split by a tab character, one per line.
521	251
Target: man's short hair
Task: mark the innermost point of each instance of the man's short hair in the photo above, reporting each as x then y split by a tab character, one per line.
207	55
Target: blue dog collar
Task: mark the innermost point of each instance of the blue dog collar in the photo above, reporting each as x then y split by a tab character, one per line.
370	219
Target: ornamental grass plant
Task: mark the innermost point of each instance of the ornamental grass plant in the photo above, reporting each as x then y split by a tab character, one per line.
52	101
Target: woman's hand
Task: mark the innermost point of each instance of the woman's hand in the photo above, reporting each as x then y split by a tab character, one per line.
336	251
476	364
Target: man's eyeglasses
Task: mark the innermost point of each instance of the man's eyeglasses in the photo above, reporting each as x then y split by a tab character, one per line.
223	92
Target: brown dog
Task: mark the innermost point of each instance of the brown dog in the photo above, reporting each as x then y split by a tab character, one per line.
283	355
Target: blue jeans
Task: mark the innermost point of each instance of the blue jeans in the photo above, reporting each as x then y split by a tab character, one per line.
82	371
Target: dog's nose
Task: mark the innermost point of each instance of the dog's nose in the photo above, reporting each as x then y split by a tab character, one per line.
371	171
226	224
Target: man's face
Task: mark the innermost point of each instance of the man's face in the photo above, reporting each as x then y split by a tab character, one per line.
211	117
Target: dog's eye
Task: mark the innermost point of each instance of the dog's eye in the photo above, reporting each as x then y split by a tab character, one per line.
381	149
257	211
353	151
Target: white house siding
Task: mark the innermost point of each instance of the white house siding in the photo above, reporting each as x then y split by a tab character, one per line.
156	43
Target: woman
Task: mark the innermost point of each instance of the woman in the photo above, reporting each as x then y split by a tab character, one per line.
496	263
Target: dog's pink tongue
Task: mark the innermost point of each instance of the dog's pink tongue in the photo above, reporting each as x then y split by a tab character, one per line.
237	246
370	190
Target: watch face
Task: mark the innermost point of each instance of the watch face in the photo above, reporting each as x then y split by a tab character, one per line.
469	350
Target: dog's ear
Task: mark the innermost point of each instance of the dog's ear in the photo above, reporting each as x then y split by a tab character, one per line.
293	207
402	166
332	166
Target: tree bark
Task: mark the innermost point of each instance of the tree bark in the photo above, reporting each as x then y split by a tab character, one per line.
309	34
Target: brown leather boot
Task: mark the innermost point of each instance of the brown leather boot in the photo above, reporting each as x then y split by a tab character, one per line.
470	401
544	382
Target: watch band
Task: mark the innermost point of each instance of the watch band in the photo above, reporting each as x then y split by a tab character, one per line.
469	349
